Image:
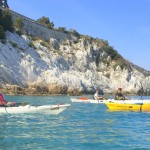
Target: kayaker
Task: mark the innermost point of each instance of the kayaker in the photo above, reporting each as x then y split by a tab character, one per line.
119	95
3	102
97	96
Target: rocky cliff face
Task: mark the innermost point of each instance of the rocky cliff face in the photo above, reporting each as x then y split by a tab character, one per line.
51	62
71	66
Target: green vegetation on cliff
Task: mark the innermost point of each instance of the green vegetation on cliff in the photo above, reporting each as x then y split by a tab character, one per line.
18	24
46	22
5	22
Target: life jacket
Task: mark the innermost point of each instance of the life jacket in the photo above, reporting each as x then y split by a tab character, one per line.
119	97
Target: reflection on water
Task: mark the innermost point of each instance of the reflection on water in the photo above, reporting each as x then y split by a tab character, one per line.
82	126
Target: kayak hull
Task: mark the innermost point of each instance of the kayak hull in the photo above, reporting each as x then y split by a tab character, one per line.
132	101
130	107
52	109
100	101
78	100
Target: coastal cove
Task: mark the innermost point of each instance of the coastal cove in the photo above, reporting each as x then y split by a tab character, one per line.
74	75
45	60
82	126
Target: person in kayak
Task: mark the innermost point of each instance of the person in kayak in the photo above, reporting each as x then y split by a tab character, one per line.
3	102
119	95
97	96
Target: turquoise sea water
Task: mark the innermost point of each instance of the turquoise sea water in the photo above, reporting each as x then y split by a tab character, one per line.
81	127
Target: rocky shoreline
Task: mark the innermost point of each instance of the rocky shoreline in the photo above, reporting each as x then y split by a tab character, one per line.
53	90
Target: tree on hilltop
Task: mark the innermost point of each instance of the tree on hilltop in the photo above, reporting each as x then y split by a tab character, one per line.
45	21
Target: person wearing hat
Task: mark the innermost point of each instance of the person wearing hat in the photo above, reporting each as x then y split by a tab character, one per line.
119	95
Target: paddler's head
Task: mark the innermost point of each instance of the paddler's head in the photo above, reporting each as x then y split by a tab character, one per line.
119	90
97	91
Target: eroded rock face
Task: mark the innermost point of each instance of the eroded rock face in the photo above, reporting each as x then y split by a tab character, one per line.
146	85
64	67
130	81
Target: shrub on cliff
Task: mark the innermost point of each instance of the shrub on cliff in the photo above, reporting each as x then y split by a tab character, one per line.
122	63
75	33
13	44
18	24
62	29
6	20
32	45
45	21
2	32
111	52
0	13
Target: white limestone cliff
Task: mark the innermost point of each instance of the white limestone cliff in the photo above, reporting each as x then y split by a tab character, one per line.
63	66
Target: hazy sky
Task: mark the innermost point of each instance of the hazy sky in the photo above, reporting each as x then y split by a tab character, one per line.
124	23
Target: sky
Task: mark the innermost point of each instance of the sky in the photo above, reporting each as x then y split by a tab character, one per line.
125	24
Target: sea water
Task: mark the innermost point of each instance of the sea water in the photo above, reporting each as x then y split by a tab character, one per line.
83	126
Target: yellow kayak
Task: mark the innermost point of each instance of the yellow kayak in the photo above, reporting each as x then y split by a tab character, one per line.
133	107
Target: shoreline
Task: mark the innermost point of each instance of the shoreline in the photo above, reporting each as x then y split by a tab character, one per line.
82	94
56	91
